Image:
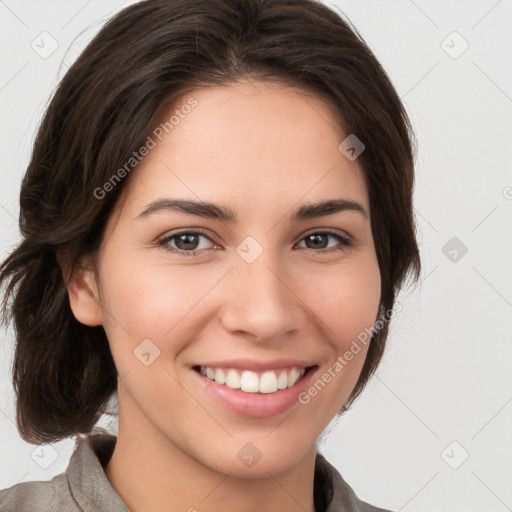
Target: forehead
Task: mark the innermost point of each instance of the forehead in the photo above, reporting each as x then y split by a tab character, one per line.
256	142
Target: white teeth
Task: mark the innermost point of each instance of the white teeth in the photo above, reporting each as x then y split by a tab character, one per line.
220	376
233	379
282	380
293	376
268	382
251	382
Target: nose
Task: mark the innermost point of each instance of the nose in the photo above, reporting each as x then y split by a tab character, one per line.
260	300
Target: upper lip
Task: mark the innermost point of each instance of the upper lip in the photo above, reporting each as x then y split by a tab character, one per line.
257	366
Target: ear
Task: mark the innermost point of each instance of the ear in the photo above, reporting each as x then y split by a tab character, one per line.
81	283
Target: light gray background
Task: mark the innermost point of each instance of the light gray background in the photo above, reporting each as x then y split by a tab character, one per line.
446	375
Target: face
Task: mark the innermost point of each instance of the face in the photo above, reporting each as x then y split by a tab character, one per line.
263	289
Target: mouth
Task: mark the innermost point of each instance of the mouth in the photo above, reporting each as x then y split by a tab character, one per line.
262	392
256	382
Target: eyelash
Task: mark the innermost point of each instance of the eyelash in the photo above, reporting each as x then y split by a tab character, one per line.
345	242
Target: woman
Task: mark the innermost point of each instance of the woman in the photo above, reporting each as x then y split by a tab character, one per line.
216	219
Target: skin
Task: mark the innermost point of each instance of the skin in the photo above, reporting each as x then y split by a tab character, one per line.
262	149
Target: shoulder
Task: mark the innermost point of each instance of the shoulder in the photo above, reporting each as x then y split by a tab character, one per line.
38	496
366	507
83	486
338	494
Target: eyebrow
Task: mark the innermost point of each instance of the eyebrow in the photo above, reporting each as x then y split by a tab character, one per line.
213	211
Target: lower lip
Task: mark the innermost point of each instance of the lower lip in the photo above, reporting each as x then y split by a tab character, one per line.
256	405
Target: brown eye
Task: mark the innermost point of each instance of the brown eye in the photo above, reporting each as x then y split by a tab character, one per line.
187	241
184	242
319	240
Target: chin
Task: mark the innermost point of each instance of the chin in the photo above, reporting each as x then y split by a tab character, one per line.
251	460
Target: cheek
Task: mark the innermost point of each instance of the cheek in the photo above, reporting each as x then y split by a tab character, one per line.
154	301
347	301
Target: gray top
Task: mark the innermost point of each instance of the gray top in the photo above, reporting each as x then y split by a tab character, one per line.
85	488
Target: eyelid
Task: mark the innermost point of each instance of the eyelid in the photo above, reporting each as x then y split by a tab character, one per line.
329	231
168	236
345	239
207	234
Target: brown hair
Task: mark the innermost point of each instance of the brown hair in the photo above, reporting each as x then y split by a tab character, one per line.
142	60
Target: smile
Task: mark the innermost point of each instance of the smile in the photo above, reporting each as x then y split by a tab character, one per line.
256	393
248	381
